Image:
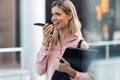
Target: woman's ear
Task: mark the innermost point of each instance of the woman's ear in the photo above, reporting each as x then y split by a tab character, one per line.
70	16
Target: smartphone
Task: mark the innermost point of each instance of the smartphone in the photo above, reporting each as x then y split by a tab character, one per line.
39	24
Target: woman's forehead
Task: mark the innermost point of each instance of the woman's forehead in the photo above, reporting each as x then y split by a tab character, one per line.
56	9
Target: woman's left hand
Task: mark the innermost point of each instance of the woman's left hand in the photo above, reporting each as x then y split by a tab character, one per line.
64	66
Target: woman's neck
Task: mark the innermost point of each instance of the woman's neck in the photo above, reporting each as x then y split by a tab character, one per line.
64	37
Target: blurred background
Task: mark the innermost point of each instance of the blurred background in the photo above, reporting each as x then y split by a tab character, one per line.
20	40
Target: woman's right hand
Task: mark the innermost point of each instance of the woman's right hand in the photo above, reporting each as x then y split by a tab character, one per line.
47	29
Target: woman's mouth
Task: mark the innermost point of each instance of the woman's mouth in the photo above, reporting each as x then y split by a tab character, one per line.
56	23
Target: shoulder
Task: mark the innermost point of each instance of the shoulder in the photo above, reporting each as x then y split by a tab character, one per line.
84	44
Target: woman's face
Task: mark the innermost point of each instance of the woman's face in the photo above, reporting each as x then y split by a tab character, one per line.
59	18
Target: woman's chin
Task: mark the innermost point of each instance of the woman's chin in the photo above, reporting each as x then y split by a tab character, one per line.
56	27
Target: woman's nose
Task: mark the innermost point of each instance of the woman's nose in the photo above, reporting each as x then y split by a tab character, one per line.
53	18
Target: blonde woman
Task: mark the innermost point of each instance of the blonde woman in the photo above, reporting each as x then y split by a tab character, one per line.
66	29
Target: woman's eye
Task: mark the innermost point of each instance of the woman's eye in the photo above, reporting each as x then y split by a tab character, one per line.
58	14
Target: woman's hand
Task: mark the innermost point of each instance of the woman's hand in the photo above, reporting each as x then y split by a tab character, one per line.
64	66
47	29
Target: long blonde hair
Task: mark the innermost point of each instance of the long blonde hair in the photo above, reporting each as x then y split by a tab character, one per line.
74	26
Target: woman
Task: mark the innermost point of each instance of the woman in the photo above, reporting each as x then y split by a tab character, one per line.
66	33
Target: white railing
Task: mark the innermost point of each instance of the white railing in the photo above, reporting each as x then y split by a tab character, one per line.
108	68
14	74
16	49
106	44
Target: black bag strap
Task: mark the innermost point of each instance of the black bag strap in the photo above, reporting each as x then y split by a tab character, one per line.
79	43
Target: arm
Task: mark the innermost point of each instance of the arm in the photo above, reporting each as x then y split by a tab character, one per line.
84	76
41	60
75	75
42	55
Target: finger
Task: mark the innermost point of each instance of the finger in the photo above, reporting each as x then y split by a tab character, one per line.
45	26
49	30
64	60
56	65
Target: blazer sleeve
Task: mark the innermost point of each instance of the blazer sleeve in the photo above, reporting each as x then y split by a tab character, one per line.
41	60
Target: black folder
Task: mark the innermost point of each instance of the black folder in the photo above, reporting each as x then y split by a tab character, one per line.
78	58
